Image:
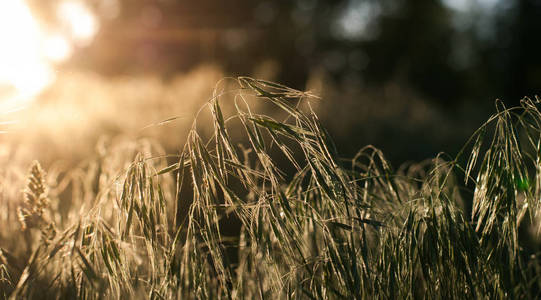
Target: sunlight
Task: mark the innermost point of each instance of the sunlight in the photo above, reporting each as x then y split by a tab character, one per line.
57	48
23	72
80	21
29	53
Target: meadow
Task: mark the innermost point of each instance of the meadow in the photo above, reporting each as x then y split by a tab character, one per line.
259	205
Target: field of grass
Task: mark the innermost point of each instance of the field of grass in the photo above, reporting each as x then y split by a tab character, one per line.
263	208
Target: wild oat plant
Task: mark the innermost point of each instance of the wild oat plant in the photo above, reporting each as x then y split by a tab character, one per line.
265	208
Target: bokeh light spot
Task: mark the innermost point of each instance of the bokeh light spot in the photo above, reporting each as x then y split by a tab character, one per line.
81	23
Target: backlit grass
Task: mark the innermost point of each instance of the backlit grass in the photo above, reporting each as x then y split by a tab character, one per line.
265	208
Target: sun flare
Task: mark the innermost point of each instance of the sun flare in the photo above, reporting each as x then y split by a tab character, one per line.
23	72
29	53
80	22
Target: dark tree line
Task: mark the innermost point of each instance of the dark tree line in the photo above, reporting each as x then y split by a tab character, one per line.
447	55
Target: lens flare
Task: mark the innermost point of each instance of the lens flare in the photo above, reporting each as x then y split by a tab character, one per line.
57	48
80	22
28	53
23	72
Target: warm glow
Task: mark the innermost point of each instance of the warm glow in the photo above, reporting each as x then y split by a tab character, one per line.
28	52
22	67
57	48
81	23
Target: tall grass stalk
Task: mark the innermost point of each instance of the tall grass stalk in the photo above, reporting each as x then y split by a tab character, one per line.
266	208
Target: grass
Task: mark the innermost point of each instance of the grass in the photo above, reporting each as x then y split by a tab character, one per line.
266	208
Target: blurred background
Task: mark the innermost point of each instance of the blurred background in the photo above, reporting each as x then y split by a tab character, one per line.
411	77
